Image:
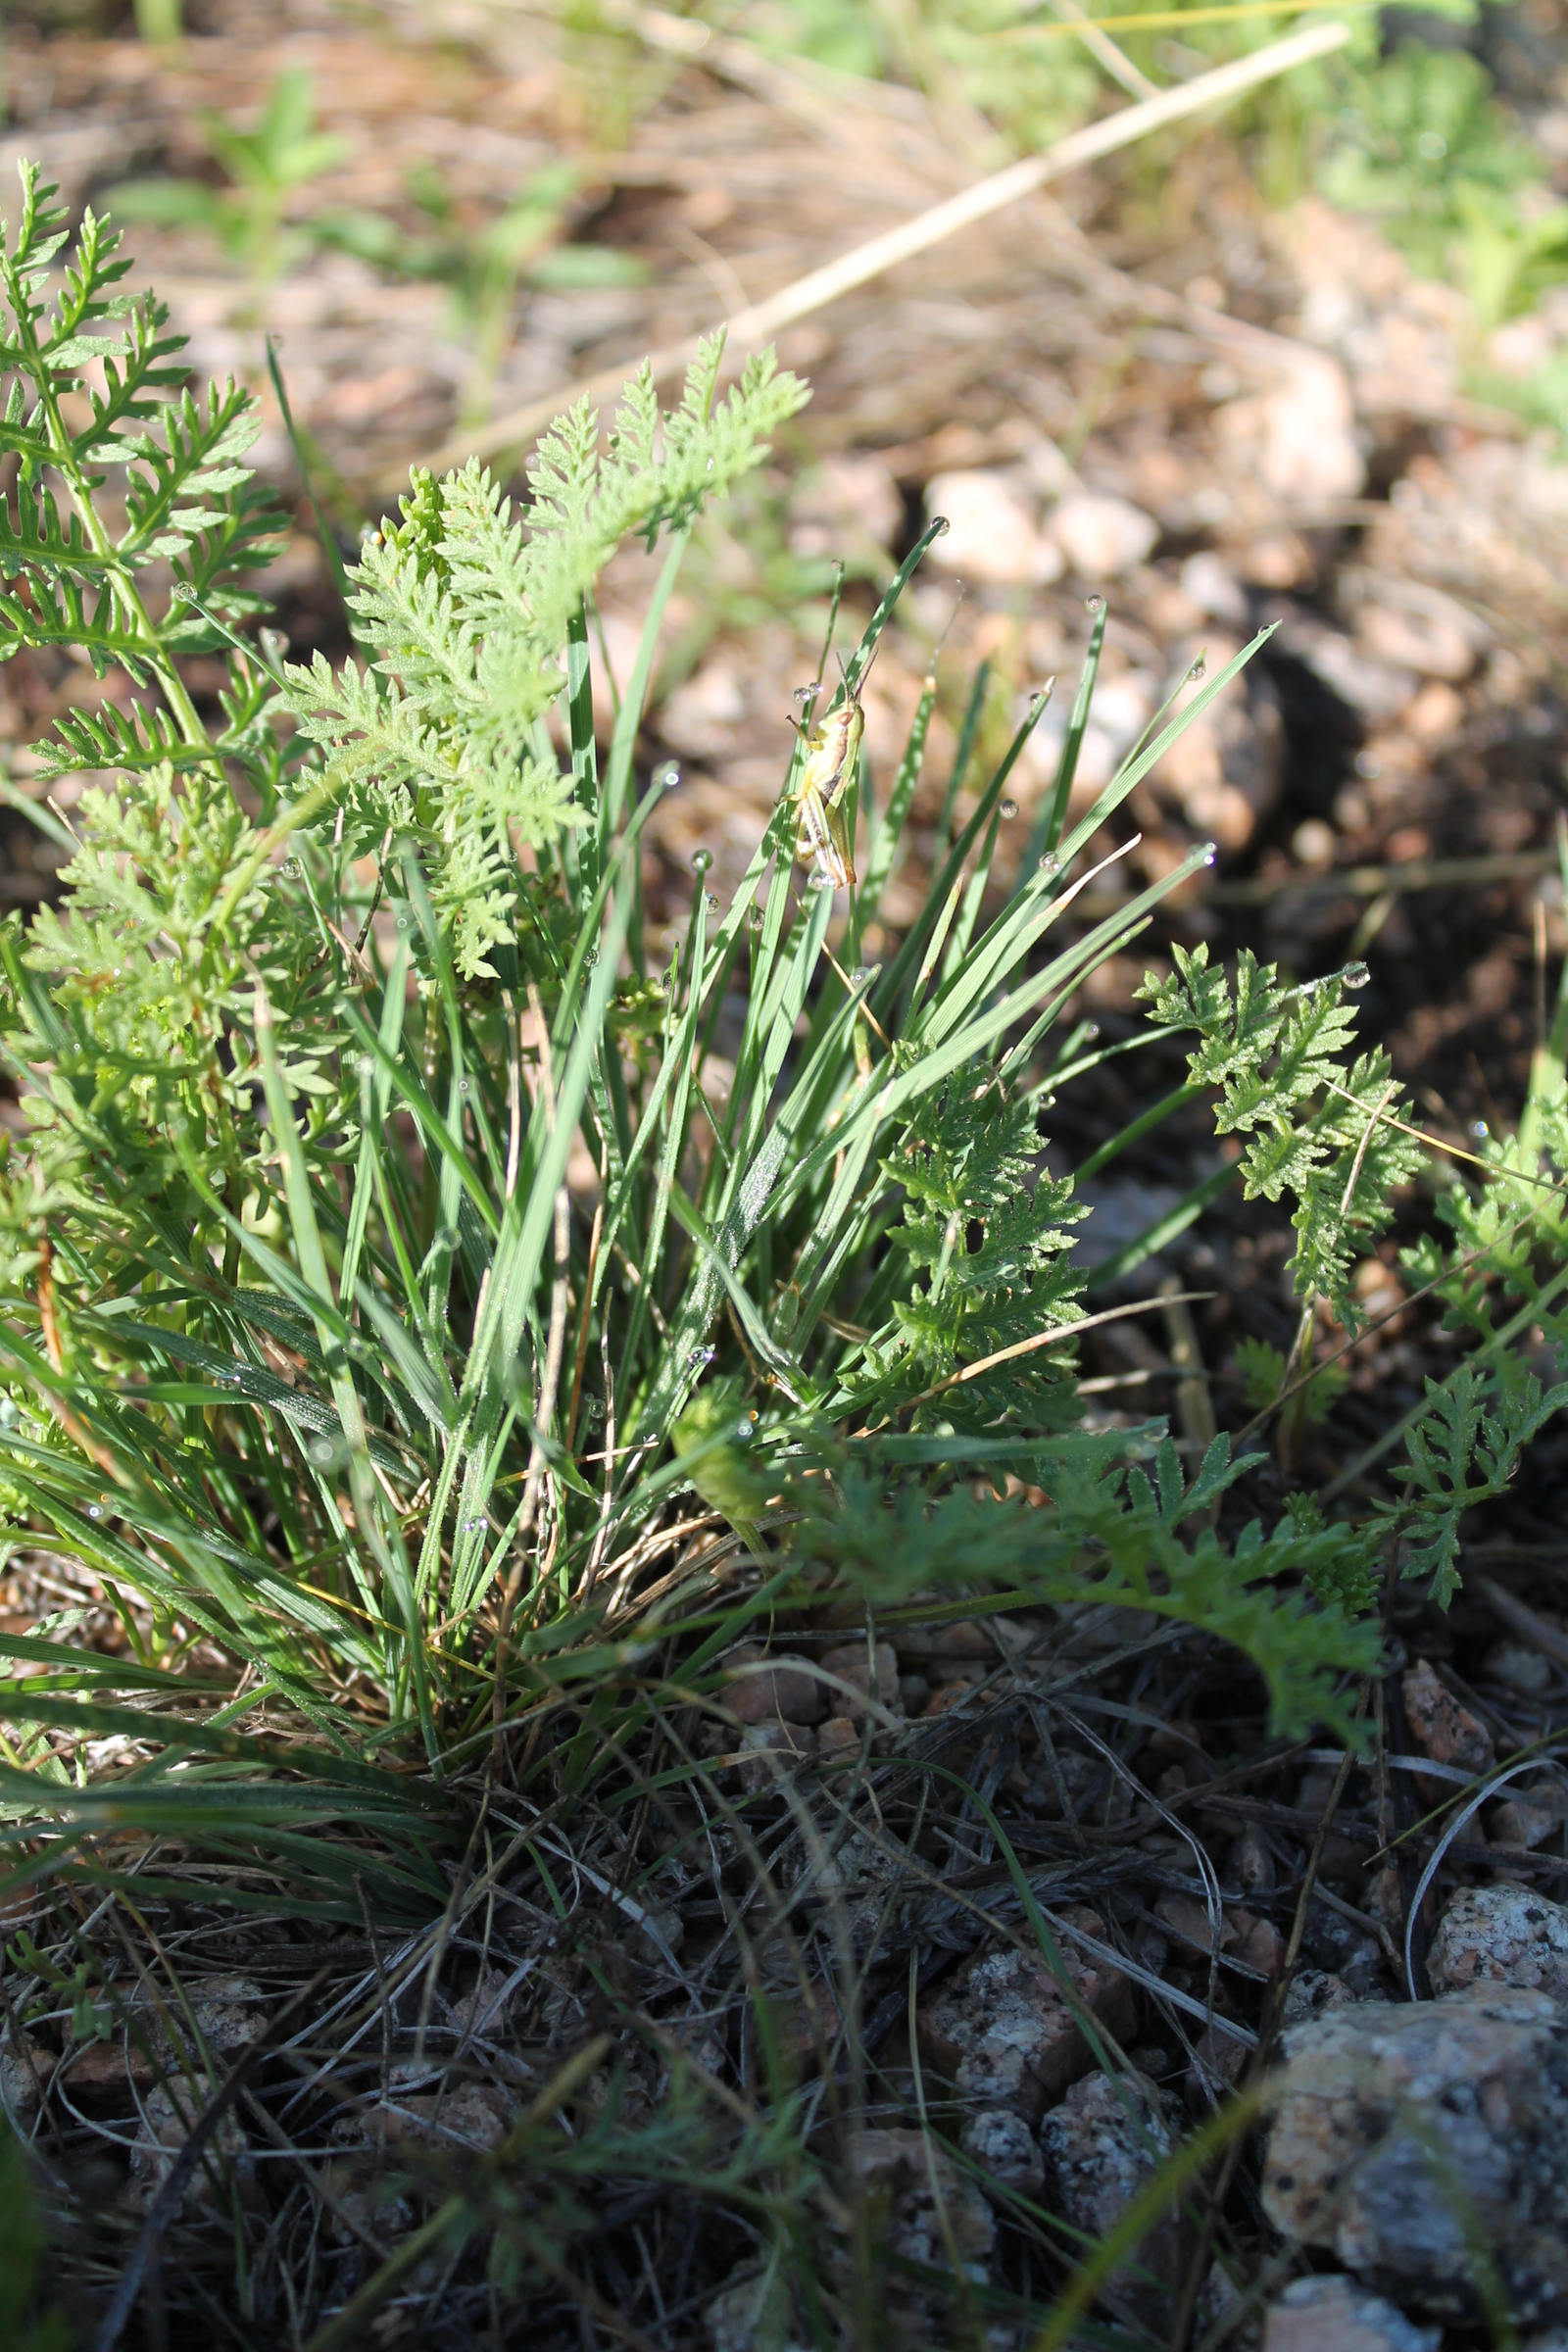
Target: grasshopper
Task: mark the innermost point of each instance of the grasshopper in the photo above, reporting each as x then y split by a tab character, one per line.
832	753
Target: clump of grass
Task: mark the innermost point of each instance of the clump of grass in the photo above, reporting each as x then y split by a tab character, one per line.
430	1495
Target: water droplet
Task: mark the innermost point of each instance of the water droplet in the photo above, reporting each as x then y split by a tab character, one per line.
1050	864
273	644
1210	851
364	1065
697	1357
711	902
666	778
1199	668
184	593
807	694
864	974
322	1451
1480	1130
701	860
745	1430
589	960
95	1510
940	527
1007	811
755	917
446	1236
369	536
464	1086
817	880
1354	975
10	1413
1094	605
403	922
1091	1032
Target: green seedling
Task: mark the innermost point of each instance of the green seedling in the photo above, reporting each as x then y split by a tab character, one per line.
266	168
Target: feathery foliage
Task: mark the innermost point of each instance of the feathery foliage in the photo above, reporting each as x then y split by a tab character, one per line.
384	1429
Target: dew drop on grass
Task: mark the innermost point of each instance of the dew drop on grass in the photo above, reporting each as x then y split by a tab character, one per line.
95	1510
745	1431
755	918
701	860
1050	864
322	1451
1480	1130
711	902
864	974
464	1086
940	527
365	1066
1199	669
1094	605
698	1357
1091	1032
817	880
666	778
1210	853
807	694
1354	975
10	1414
1009	811
403	922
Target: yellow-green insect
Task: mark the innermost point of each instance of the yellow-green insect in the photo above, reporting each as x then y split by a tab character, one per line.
832	755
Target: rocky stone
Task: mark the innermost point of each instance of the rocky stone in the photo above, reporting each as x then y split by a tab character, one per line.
1252	1865
772	1689
1432	636
1501	1935
793	1743
966	1640
1002	2030
1258	1943
1334	2314
1101	538
1100	2144
1002	2143
1310	454
850	1664
1518	1666
837	1738
229	2012
897	2166
847	504
1187	1919
1214	589
992	536
1378	690
1408	2133
25	2070
1442	1729
1314	1992
169	2113
1527	1817
483	2011
1226	771
473	2115
753	2315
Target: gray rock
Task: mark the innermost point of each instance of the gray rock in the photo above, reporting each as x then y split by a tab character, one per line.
1501	1935
1336	2315
1002	2030
1409	2133
1103	537
1101	2145
1314	1992
1003	2142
